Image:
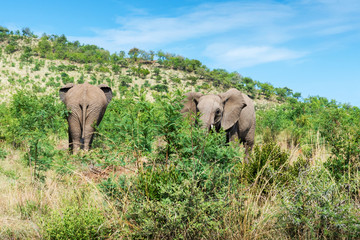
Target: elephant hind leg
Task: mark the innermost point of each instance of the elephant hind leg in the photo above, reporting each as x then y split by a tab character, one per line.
88	137
74	134
249	141
248	148
70	140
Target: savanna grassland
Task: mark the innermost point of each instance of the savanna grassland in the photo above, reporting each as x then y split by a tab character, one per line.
153	175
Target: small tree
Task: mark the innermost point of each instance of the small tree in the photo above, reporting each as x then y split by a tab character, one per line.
44	46
156	71
27	32
281	93
134	54
116	68
297	95
3	30
267	89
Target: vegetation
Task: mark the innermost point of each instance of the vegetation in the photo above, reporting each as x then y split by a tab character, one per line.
151	173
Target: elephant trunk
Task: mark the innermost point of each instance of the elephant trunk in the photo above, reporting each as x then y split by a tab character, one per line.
207	121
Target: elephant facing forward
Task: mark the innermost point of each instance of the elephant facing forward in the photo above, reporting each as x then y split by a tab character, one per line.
87	104
233	111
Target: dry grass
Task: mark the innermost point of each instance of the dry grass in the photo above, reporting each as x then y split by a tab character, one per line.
24	202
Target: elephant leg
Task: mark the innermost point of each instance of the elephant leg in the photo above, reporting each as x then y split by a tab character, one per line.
245	137
74	133
88	137
232	134
249	141
247	148
70	140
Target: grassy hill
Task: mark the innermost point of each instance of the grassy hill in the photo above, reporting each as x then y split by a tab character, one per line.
153	175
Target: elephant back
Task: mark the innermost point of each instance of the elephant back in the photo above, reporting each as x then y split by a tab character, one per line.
86	94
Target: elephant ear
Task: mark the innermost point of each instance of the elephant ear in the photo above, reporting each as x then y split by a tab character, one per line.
234	102
107	90
190	102
64	90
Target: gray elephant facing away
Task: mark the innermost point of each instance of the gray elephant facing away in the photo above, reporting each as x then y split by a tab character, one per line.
233	111
87	104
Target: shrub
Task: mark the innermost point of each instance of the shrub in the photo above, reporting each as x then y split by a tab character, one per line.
76	222
116	68
129	123
66	78
315	207
30	115
29	120
269	167
160	88
103	69
88	67
174	207
11	48
176	80
3	154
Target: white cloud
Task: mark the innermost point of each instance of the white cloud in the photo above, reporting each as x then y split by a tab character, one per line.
207	20
236	57
234	34
340	6
336	30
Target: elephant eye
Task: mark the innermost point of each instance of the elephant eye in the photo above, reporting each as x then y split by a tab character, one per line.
217	112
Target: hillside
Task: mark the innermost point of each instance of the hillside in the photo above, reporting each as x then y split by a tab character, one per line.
48	75
153	175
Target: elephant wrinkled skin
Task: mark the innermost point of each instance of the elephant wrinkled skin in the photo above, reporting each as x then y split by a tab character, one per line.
233	111
87	104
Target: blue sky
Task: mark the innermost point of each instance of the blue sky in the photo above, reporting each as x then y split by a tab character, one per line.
310	46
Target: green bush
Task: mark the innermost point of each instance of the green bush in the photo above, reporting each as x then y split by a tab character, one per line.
129	123
160	88
66	78
175	207
28	122
315	207
11	48
30	116
76	222
102	69
269	168
3	154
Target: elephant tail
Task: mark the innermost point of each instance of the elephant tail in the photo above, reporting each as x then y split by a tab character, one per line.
83	121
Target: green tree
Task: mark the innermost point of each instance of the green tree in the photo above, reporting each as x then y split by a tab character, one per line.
297	95
44	46
3	30
134	54
60	49
281	93
156	71
266	89
116	68
12	45
27	32
27	54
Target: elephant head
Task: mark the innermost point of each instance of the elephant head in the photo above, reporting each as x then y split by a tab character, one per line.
87	104
221	110
233	111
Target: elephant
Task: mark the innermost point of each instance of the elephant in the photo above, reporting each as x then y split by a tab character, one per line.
233	111
87	104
